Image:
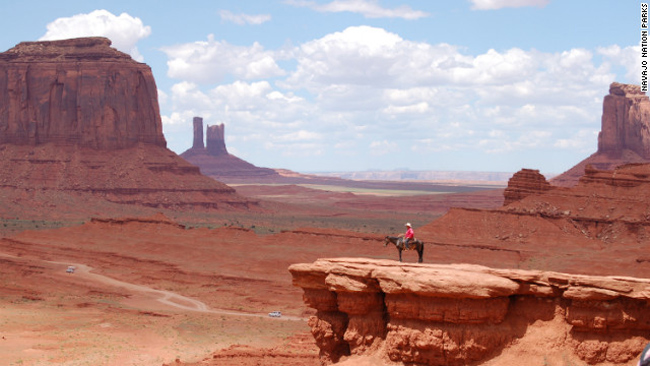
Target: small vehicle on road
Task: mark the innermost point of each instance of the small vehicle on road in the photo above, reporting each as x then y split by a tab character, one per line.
70	269
275	314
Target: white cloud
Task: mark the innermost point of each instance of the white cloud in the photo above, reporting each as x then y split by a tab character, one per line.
499	4
418	108
209	61
242	19
124	30
178	118
627	57
582	140
297	136
383	147
367	8
370	92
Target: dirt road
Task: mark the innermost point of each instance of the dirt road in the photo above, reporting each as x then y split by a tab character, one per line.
174	300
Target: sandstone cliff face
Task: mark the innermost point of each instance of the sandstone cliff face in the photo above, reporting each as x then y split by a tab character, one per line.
198	133
624	137
216	141
80	126
625	122
78	91
467	314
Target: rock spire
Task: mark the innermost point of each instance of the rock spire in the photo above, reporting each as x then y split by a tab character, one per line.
215	161
198	133
624	137
625	122
216	144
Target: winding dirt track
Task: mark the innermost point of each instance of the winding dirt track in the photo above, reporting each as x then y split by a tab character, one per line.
168	298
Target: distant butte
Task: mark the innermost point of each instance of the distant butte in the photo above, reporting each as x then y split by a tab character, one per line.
214	160
80	127
624	137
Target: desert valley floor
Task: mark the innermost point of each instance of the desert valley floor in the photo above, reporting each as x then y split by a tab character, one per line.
148	291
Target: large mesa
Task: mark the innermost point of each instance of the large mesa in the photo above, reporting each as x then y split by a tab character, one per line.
80	122
77	91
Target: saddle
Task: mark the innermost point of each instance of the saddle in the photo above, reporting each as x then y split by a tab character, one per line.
411	243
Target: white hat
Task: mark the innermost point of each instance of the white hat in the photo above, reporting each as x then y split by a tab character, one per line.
408	224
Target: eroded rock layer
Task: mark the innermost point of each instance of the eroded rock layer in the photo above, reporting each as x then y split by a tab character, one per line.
80	126
78	91
624	136
143	175
599	226
425	314
524	183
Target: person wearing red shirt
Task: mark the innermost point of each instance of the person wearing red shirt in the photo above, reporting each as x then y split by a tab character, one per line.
409	235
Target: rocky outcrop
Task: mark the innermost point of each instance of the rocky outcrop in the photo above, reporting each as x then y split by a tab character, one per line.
198	133
524	183
216	142
624	137
467	314
215	161
78	92
625	122
596	227
80	126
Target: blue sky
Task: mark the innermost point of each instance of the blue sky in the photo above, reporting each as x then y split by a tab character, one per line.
350	85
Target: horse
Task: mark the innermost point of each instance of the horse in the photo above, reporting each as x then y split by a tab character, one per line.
416	244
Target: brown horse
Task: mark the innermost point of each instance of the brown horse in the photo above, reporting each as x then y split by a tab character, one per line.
416	244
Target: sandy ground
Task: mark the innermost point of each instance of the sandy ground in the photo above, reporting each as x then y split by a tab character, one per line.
50	317
151	292
148	294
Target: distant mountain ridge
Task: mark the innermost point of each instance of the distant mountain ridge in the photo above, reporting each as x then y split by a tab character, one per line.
423	175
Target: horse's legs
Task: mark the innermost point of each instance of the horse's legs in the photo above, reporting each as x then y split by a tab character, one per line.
400	254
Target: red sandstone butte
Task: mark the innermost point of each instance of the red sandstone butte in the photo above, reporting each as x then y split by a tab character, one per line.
624	137
77	91
523	183
81	118
215	161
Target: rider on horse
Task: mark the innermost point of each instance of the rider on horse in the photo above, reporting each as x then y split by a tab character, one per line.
409	235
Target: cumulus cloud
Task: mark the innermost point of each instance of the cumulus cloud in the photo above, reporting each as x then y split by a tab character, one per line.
243	19
499	4
209	61
371	92
124	30
383	147
626	57
367	8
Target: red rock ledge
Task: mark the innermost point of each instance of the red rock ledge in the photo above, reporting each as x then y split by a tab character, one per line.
427	314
